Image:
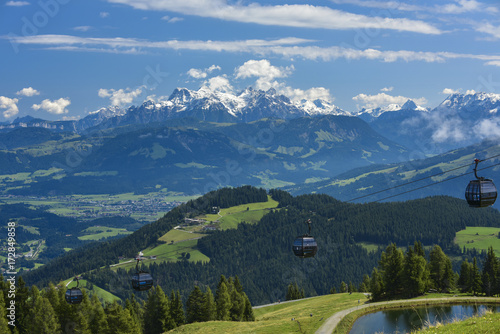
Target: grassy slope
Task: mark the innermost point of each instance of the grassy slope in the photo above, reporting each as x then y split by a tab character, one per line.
100	232
185	242
488	323
480	238
277	318
101	293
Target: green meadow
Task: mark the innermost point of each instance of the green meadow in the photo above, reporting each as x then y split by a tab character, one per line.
102	232
480	238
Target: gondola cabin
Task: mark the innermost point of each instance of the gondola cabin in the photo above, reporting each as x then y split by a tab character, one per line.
481	193
305	246
74	296
142	281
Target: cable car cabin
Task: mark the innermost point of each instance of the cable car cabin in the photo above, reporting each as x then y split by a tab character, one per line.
305	246
74	296
481	193
142	281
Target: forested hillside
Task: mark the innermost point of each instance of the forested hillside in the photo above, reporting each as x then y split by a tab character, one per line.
260	254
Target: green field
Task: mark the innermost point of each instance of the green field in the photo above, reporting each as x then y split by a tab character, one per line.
179	235
480	238
370	247
277	318
250	213
102	232
101	293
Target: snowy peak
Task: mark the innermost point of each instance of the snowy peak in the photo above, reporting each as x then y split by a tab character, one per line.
460	101
247	105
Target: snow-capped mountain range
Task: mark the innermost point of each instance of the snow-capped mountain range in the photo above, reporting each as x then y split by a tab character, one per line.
471	110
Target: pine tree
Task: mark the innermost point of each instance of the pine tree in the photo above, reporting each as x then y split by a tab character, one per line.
237	306
490	273
120	320
98	323
343	287
418	248
248	310
22	306
414	273
222	302
157	314
195	311
136	310
210	308
176	309
475	278
43	318
365	284
464	280
391	264
441	273
4	327
376	285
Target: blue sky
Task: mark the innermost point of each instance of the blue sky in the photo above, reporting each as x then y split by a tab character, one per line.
62	59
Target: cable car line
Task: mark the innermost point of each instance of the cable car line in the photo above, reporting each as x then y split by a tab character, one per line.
421	179
428	185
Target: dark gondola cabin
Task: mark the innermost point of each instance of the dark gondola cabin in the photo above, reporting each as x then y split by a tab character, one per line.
305	246
74	295
141	281
480	193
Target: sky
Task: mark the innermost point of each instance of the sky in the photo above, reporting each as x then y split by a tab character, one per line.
62	59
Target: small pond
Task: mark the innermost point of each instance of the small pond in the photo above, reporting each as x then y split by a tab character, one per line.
405	320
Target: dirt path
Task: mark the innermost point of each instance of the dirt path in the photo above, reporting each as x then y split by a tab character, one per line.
332	322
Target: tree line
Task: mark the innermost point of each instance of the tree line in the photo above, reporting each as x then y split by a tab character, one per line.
260	254
47	312
411	274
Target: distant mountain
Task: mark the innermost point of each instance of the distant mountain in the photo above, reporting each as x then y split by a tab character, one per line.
187	155
203	104
460	120
370	115
410	179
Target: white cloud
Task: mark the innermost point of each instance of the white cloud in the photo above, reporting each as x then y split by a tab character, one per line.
120	97
383	99
196	73
172	19
488	128
30	91
489	29
202	73
387	89
17	3
310	94
10	105
449	91
70	118
285	47
103	14
470	92
457	7
264	71
54	107
219	84
493	63
83	28
461	6
300	16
